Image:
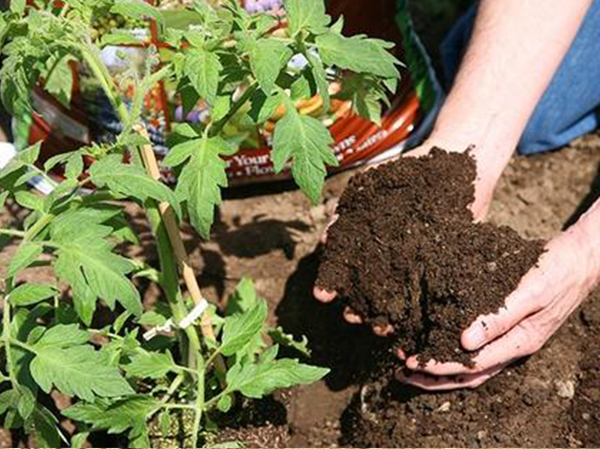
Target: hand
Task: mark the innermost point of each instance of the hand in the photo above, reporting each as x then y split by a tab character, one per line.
484	188
545	298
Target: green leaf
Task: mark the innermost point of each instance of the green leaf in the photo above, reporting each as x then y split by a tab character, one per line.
306	15
181	152
79	439
306	141
258	380
60	80
200	183
120	37
244	297
77	371
63	336
224	404
220	108
263	107
3	197
164	421
18	6
241	329
152	319
359	54
151	365
203	68
47	430
137	10
85	260
280	337
320	76
28	294
29	200
118	417
131	180
26	254
267	59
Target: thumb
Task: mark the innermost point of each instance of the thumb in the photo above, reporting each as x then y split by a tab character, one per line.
486	328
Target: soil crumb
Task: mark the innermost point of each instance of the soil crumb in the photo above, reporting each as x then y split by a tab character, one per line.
405	251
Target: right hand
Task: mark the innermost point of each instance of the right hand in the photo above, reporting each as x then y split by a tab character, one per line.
484	189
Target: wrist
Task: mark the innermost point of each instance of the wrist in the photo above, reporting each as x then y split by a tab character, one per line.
584	238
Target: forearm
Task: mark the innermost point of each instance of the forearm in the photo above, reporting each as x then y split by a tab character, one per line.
516	48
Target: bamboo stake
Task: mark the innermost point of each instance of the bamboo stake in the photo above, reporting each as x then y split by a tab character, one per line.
183	261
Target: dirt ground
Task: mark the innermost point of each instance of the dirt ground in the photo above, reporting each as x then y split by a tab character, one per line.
273	237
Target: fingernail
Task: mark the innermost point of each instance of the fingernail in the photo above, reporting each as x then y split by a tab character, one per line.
474	337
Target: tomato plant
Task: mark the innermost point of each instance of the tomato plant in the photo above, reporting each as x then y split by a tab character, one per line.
194	358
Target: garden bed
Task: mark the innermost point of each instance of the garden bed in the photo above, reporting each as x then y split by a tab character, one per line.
269	236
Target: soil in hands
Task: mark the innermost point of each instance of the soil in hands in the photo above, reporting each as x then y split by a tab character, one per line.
405	251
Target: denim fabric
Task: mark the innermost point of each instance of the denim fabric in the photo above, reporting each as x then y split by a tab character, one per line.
570	107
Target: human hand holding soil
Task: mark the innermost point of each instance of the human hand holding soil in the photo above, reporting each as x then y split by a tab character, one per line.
544	300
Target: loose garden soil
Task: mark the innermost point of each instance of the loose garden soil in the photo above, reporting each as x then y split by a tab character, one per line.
405	251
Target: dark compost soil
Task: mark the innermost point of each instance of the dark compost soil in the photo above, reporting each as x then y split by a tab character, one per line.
405	251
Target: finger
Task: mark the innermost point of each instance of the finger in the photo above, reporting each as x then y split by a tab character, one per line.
401	354
351	317
443	383
324	295
329	225
515	344
487	328
383	330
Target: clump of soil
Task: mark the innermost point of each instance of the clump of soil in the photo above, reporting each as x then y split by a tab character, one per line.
405	251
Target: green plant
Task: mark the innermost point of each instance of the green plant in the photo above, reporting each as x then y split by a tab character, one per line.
116	379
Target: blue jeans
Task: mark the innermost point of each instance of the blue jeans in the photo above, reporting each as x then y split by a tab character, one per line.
570	107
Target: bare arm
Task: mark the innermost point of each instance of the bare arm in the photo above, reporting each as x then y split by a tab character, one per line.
516	48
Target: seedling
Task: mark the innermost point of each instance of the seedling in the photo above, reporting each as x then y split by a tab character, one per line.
192	359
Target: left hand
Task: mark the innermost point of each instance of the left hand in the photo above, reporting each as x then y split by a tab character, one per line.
545	298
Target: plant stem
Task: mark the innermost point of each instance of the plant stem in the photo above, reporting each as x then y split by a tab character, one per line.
12	233
10	367
248	93
211	403
178	248
199	403
38	226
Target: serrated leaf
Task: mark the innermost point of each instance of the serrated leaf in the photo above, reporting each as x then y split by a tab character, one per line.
60	80
359	54
267	59
243	298
203	68
118	417
304	140
164	421
26	254
280	337
28	294
306	15
258	380
63	336
85	261
151	365
181	152
131	180
77	371
220	108
320	77
29	200
18	6
241	329
200	183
